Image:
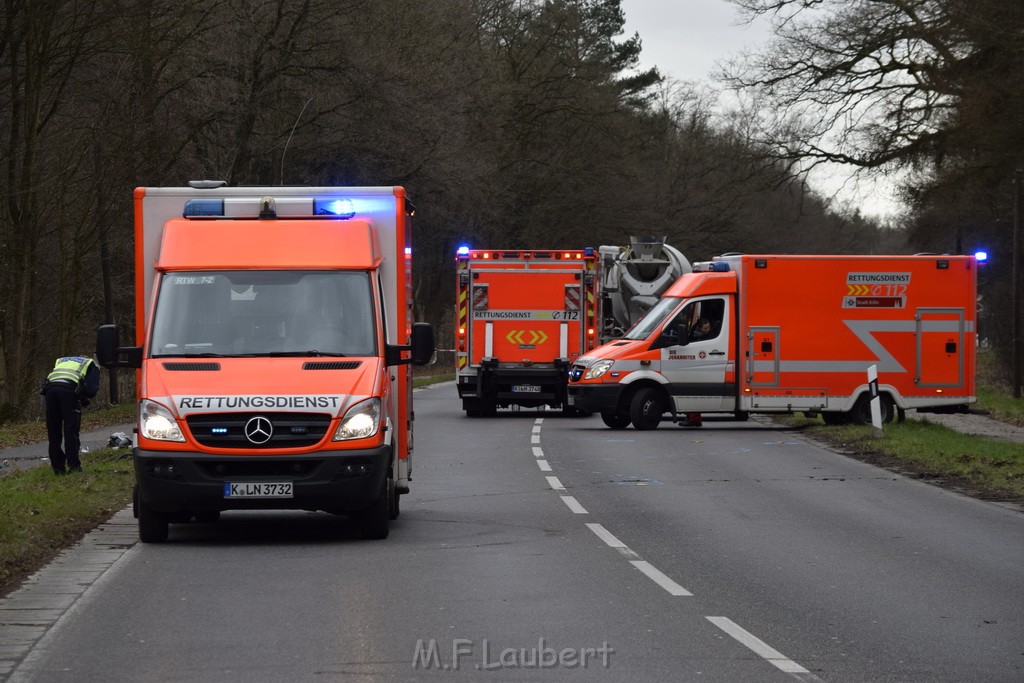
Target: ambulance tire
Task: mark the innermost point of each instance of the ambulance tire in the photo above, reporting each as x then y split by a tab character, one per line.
861	413
153	525
373	521
394	501
646	408
833	418
615	421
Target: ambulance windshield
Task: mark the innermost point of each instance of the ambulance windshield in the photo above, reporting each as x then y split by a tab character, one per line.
654	318
264	313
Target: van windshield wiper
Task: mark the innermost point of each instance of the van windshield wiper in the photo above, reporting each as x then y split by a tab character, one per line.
190	355
299	354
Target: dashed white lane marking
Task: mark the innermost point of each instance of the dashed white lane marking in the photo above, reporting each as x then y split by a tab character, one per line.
743	636
555	484
605	535
574	505
657	577
760	647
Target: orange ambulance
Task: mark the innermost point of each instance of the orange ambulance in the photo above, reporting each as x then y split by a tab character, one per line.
523	317
273	340
793	333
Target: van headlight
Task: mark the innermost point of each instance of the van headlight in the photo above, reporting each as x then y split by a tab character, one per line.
157	423
598	369
360	421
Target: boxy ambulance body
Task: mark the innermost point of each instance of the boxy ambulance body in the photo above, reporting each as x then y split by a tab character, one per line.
523	317
273	337
793	333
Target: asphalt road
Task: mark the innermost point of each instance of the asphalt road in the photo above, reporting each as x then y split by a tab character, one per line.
532	545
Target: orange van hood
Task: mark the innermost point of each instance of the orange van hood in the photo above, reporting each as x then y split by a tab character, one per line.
224	385
618	349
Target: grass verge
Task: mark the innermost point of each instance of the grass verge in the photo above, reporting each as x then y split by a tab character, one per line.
24	433
41	514
984	468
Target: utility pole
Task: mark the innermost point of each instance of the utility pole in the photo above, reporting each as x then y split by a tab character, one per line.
1017	284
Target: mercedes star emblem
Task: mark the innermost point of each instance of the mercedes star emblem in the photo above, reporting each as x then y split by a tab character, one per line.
259	430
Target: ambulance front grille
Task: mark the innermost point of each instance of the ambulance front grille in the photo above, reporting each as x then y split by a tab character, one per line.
289	430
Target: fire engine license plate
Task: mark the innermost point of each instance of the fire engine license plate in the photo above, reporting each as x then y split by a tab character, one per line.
526	389
261	489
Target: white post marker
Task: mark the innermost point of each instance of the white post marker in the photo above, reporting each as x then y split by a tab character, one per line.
876	401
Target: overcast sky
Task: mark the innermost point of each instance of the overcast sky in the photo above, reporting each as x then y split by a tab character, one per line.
685	38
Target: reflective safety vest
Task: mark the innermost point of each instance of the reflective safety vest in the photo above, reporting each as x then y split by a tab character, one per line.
69	369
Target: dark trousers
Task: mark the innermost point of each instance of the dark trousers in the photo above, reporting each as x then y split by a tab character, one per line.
63	420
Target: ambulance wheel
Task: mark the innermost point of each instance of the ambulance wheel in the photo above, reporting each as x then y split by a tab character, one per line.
861	413
152	524
615	421
646	408
373	521
394	501
833	418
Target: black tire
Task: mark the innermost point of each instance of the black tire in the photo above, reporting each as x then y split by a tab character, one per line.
373	521
861	413
152	524
741	416
834	419
646	408
615	421
394	500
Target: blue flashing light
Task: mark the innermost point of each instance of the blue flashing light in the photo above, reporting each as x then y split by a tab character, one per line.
588	251
982	256
203	207
342	208
463	250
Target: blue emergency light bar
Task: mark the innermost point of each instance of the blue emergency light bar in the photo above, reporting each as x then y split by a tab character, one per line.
982	256
342	208
462	251
203	207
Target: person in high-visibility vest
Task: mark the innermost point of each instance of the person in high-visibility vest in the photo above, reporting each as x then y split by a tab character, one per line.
71	385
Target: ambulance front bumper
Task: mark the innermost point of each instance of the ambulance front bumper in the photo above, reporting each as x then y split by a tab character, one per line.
595	398
333	481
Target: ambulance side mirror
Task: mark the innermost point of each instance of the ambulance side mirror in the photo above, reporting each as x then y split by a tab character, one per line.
419	352
422	344
109	353
682	338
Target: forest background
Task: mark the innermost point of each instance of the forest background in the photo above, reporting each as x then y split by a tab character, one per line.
511	123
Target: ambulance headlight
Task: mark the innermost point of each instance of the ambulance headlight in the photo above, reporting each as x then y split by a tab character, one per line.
361	420
598	369
157	423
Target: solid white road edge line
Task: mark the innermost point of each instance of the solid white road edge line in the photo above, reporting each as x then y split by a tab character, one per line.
760	647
